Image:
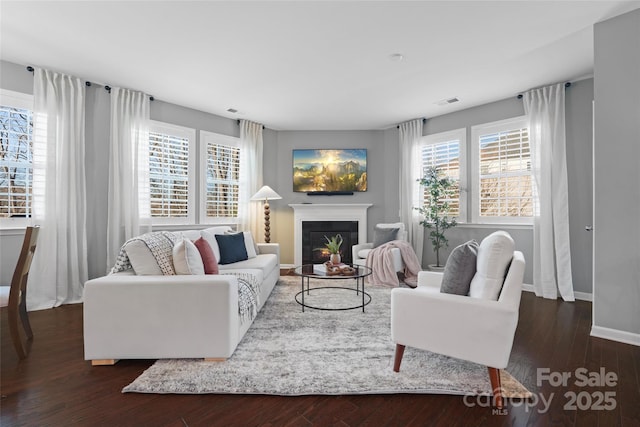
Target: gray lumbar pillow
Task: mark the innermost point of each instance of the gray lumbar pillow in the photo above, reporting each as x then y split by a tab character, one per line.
460	269
383	235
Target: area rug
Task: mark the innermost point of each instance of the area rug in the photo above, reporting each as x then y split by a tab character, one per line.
288	352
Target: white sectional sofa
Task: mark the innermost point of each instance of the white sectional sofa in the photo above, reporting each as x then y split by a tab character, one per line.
129	316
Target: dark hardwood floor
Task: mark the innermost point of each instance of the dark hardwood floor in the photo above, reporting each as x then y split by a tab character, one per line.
56	387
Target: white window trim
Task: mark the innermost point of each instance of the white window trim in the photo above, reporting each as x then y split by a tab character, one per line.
216	138
476	131
25	101
461	135
190	134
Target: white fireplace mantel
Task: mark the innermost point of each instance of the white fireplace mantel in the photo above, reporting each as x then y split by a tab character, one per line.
327	212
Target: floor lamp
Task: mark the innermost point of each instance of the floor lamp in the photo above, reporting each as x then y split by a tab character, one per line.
266	193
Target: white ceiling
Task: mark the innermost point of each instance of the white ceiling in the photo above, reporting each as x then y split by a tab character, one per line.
311	65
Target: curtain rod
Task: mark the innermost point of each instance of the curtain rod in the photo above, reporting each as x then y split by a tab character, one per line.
88	84
566	85
238	121
423	120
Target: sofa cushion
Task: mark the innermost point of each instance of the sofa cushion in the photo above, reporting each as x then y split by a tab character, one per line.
232	248
494	256
460	269
263	262
208	257
383	235
186	258
141	258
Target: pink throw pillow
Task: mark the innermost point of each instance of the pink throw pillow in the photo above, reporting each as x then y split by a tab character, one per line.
207	255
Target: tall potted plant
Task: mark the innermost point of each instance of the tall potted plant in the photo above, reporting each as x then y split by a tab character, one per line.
438	188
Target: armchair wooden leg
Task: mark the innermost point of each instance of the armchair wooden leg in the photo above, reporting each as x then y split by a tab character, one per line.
398	358
496	387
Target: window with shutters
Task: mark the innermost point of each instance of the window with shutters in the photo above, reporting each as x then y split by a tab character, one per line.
171	174
502	179
220	157
16	158
446	151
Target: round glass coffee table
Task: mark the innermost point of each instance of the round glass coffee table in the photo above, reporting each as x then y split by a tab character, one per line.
319	271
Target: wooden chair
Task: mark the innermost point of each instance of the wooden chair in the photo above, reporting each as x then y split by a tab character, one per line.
14	297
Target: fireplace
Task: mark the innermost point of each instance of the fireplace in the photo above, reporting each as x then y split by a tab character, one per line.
313	236
329	212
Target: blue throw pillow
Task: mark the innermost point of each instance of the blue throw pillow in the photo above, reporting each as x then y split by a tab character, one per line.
232	248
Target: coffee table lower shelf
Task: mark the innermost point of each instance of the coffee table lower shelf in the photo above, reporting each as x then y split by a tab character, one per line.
366	299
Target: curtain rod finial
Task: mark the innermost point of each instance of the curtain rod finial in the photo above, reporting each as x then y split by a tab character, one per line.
30	68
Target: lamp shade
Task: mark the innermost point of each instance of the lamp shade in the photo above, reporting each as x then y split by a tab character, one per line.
266	193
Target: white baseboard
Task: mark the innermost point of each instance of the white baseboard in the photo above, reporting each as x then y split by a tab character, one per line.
615	335
582	296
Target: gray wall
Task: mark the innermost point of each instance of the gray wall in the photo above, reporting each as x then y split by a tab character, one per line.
617	175
383	173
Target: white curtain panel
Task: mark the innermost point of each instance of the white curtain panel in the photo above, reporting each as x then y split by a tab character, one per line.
251	154
59	267
545	108
410	134
129	208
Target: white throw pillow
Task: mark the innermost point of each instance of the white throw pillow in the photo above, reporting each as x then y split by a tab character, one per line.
494	256
210	236
186	258
141	259
250	245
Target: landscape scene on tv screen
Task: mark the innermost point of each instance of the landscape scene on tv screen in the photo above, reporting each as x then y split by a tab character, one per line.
330	170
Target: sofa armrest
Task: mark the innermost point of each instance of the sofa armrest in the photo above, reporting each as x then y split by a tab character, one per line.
269	248
133	317
430	279
357	248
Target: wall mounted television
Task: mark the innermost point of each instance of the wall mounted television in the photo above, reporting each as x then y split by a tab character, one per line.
323	171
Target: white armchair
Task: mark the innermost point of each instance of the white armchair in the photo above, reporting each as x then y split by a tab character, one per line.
359	252
473	329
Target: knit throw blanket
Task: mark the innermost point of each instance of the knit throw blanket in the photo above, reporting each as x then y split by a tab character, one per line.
248	295
160	243
380	260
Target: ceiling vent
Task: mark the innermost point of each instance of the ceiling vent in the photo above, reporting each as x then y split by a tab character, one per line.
448	101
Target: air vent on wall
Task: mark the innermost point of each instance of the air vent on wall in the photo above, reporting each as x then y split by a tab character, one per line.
448	101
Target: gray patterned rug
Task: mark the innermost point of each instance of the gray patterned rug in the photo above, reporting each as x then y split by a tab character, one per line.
287	352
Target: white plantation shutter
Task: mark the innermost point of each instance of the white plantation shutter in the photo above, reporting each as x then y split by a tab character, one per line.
221	157
446	151
16	158
171	173
502	157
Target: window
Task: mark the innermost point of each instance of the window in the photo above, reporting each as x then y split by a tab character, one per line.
220	157
502	180
16	158
171	173
447	152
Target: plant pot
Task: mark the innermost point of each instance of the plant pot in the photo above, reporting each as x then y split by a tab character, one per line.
433	267
335	259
